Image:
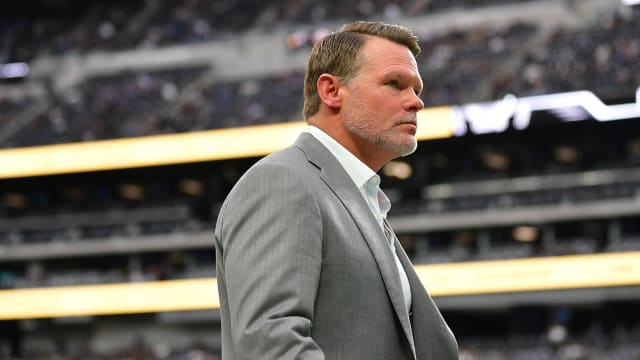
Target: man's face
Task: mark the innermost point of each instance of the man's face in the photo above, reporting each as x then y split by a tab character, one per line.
381	101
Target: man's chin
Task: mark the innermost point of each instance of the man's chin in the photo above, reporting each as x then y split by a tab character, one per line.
405	149
411	151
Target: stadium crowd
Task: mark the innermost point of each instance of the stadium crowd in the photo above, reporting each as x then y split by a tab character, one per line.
71	26
458	67
603	57
107	107
239	103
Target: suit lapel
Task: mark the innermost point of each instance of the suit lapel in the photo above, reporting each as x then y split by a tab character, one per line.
334	175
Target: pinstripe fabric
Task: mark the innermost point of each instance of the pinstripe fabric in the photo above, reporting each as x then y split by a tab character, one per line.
303	272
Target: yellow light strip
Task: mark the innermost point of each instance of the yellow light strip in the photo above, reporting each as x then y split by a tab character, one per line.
110	299
180	148
532	274
147	151
435	123
486	277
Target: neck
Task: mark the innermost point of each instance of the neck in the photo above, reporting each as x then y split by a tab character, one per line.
370	154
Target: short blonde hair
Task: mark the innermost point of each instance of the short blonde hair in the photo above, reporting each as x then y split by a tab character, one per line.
339	54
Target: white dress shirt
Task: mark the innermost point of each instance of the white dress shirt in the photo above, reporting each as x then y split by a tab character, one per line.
368	182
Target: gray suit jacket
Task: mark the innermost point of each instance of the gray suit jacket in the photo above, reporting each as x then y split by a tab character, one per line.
304	270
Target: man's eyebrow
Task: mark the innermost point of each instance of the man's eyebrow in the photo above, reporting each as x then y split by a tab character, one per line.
395	73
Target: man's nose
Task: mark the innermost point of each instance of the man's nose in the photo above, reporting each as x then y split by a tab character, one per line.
414	103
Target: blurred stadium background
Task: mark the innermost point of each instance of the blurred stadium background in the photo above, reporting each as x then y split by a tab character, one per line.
123	124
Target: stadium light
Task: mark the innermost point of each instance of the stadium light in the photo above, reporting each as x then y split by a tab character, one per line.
14	70
525	233
453	279
583	99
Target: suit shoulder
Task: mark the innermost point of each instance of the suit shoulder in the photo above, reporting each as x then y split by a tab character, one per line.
288	159
285	174
290	163
287	156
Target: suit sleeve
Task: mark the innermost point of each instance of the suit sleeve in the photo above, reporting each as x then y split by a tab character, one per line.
270	234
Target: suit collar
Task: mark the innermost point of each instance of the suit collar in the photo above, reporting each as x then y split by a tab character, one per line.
334	175
358	171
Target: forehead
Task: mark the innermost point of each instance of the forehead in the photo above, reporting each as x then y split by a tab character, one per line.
383	53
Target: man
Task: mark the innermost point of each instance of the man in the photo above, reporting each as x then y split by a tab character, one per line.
307	265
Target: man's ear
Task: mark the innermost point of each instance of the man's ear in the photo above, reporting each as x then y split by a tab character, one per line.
329	90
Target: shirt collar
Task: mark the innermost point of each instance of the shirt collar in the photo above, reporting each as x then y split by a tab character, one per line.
357	170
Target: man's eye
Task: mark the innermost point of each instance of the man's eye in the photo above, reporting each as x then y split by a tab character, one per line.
394	83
